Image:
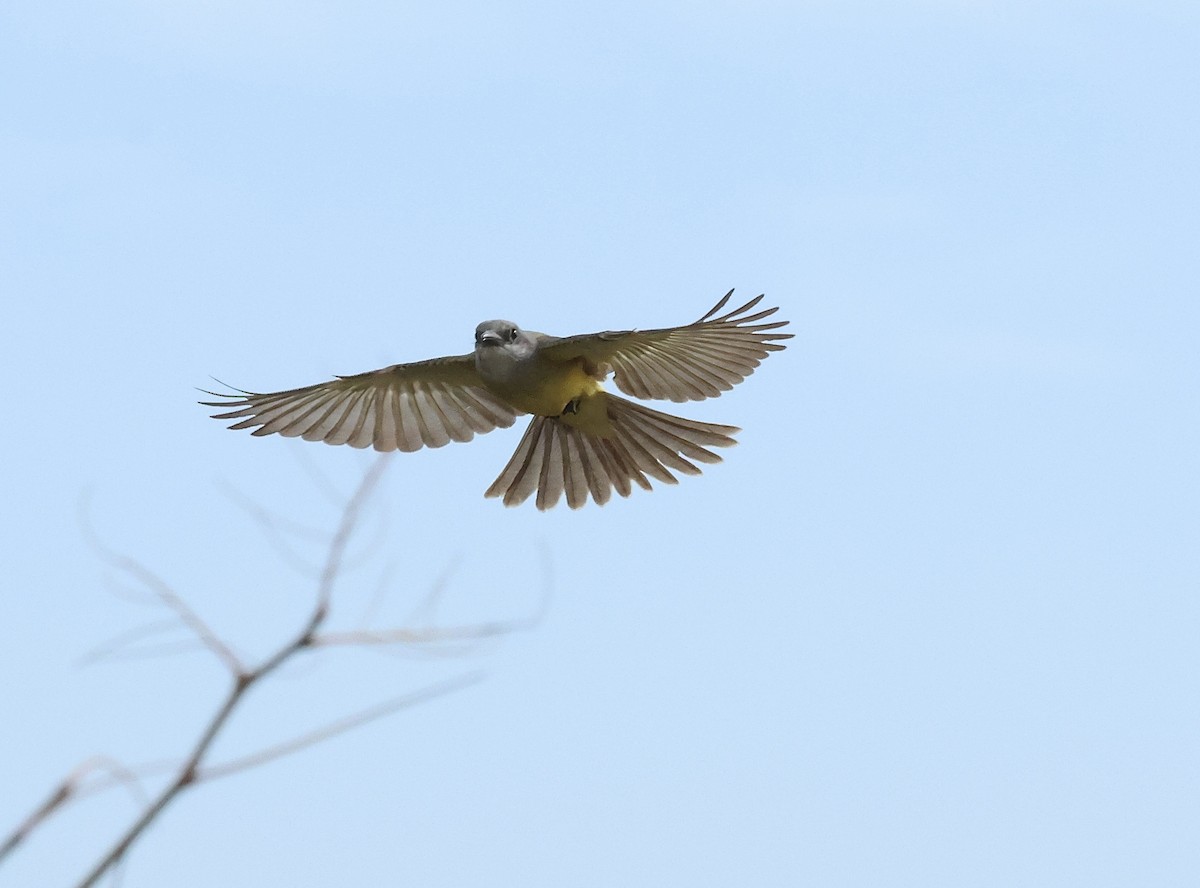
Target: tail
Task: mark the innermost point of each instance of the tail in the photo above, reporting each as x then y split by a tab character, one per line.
555	457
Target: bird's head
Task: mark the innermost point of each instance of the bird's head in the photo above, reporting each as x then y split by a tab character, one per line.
503	337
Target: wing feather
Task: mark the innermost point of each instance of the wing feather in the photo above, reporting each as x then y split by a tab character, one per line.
402	407
689	363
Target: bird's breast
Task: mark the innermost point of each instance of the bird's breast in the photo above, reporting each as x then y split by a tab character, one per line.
537	386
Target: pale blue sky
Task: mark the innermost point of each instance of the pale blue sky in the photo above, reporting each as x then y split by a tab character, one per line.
933	623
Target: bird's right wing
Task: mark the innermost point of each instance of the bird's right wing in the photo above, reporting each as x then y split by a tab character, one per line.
402	407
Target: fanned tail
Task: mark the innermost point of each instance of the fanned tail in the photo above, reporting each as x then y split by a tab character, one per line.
554	457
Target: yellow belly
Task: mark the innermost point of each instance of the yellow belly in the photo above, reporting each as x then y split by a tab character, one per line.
591	414
554	390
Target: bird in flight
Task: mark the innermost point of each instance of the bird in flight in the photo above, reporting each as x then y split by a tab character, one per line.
581	441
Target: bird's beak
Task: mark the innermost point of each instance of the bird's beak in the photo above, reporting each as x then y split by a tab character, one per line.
488	337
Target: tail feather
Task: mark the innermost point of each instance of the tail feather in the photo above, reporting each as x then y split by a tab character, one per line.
554	458
662	449
582	477
650	455
520	477
552	481
619	466
595	471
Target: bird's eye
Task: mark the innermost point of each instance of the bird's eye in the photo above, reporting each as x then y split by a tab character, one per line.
512	335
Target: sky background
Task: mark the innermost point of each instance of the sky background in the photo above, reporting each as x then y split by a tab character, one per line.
933	623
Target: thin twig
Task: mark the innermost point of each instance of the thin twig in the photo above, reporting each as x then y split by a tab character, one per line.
112	648
71	787
274	527
429	604
320	481
337	548
167	596
377	595
55	800
311	636
244	680
186	615
341	726
360	637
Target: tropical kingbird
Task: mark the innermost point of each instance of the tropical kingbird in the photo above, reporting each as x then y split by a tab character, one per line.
582	440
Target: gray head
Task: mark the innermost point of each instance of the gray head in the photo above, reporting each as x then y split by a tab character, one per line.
503	337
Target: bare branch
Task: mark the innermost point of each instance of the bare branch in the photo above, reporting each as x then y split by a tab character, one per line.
184	778
244	680
113	648
274	527
360	637
168	597
61	794
72	787
194	770
428	605
341	726
186	615
337	548
320	481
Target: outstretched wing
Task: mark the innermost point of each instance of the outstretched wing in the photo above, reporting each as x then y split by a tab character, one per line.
402	407
688	363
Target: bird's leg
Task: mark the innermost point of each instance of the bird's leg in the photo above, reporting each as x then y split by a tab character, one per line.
571	408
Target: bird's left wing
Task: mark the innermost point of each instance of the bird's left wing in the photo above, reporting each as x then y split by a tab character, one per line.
689	363
402	407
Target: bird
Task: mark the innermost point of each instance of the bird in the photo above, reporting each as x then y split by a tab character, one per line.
582	440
